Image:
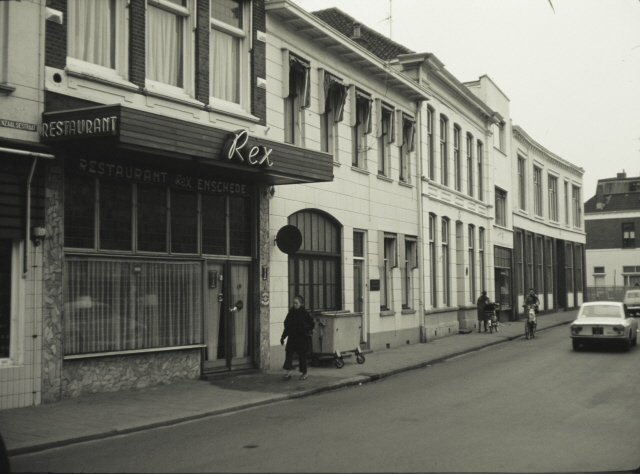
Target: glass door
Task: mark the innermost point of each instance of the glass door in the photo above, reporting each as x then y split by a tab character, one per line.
227	321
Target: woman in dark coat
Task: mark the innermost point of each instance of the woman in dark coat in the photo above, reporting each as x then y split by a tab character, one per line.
297	326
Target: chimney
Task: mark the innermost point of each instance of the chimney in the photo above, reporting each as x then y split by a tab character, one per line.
622	175
600	197
357	36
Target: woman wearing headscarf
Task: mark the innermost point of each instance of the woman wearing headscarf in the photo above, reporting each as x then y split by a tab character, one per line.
297	326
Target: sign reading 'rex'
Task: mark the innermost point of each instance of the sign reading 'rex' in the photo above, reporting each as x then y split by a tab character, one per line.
236	147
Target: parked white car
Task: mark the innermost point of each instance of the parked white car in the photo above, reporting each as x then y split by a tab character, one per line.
632	300
604	320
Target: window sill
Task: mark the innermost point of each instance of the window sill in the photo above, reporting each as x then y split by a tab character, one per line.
405	184
114	79
359	170
6	90
179	97
225	108
408	311
383	177
138	351
337	164
502	227
387	312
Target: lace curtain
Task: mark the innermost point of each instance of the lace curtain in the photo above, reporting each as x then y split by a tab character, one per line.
225	62
164	46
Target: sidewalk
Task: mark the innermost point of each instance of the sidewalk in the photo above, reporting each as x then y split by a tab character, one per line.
96	416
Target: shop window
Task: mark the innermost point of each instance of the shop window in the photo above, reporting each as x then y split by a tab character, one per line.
501	207
169	46
539	263
568	256
116	215
444	158
361	126
386	136
529	272
97	38
228	46
479	156
240	219
184	222
548	258
297	98
578	266
79	212
628	235
457	164
502	264
331	111
152	218
115	305
566	203
407	147
433	263
470	164
5	297
314	270
481	244
214	225
519	261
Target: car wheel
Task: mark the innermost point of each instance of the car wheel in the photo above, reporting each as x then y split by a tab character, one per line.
626	344
576	344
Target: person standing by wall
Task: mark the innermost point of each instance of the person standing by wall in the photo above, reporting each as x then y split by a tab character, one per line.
482	302
297	326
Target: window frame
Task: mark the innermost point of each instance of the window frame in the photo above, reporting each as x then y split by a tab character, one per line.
553	198
522	189
189	15
244	76
472	261
457	171
470	166
537	191
480	158
444	143
501	207
386	278
360	129
577	206
628	235
433	264
387	114
431	145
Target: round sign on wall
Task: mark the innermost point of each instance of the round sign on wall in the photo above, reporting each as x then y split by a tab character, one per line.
289	239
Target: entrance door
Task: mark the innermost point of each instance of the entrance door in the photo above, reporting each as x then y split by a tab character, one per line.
226	314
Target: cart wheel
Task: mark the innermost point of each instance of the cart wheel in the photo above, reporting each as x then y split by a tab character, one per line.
360	359
315	362
339	363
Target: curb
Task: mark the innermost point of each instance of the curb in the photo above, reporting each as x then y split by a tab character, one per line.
357	380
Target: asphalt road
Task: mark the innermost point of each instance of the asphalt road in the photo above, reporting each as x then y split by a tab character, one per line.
523	406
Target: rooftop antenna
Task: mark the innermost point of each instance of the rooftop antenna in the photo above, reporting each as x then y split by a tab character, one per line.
390	19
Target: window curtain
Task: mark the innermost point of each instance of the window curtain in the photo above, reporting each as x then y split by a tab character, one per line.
336	96
240	328
387	111
299	84
116	305
164	46
225	63
364	107
91	31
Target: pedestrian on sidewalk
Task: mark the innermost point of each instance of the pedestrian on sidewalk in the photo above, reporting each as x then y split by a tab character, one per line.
298	326
482	302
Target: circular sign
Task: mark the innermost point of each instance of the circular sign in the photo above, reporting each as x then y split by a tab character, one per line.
289	239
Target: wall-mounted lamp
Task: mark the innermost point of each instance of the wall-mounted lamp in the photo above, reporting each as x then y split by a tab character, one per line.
37	235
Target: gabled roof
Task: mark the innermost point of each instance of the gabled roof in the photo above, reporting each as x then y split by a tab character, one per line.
378	44
614	202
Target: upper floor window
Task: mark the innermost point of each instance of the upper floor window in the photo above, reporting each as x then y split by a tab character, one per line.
598	270
169	45
628	235
228	48
298	97
479	155
577	207
457	178
443	150
97	36
553	198
385	137
361	127
407	146
522	188
470	164
388	262
431	144
537	191
498	136
433	262
501	207
332	112
566	203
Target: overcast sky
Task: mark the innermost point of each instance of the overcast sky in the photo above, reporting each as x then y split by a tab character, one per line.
573	75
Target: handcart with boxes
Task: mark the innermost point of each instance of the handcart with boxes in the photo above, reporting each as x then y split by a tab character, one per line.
336	337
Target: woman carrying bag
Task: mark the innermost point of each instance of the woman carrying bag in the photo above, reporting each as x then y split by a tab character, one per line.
297	326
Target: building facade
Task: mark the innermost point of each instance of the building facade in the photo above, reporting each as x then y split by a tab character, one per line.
549	233
611	218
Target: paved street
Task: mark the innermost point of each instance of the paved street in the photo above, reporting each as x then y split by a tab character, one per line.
523	406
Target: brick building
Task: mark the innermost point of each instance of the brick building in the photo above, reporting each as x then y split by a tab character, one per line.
612	254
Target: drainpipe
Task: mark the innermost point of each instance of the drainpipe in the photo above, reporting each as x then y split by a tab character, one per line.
420	218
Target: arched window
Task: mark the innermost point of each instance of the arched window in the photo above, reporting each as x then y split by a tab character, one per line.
314	270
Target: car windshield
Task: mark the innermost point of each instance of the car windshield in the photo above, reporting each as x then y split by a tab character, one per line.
633	294
603	311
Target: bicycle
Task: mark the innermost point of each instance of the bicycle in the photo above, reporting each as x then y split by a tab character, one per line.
531	323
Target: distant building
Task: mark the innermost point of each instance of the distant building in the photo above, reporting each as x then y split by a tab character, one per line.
612	218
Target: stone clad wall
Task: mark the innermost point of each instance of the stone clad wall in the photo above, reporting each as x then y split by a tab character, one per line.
122	372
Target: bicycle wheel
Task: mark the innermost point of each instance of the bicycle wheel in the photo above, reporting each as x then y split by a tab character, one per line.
527	330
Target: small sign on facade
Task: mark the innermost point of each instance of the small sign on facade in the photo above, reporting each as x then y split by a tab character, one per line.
30	127
374	285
